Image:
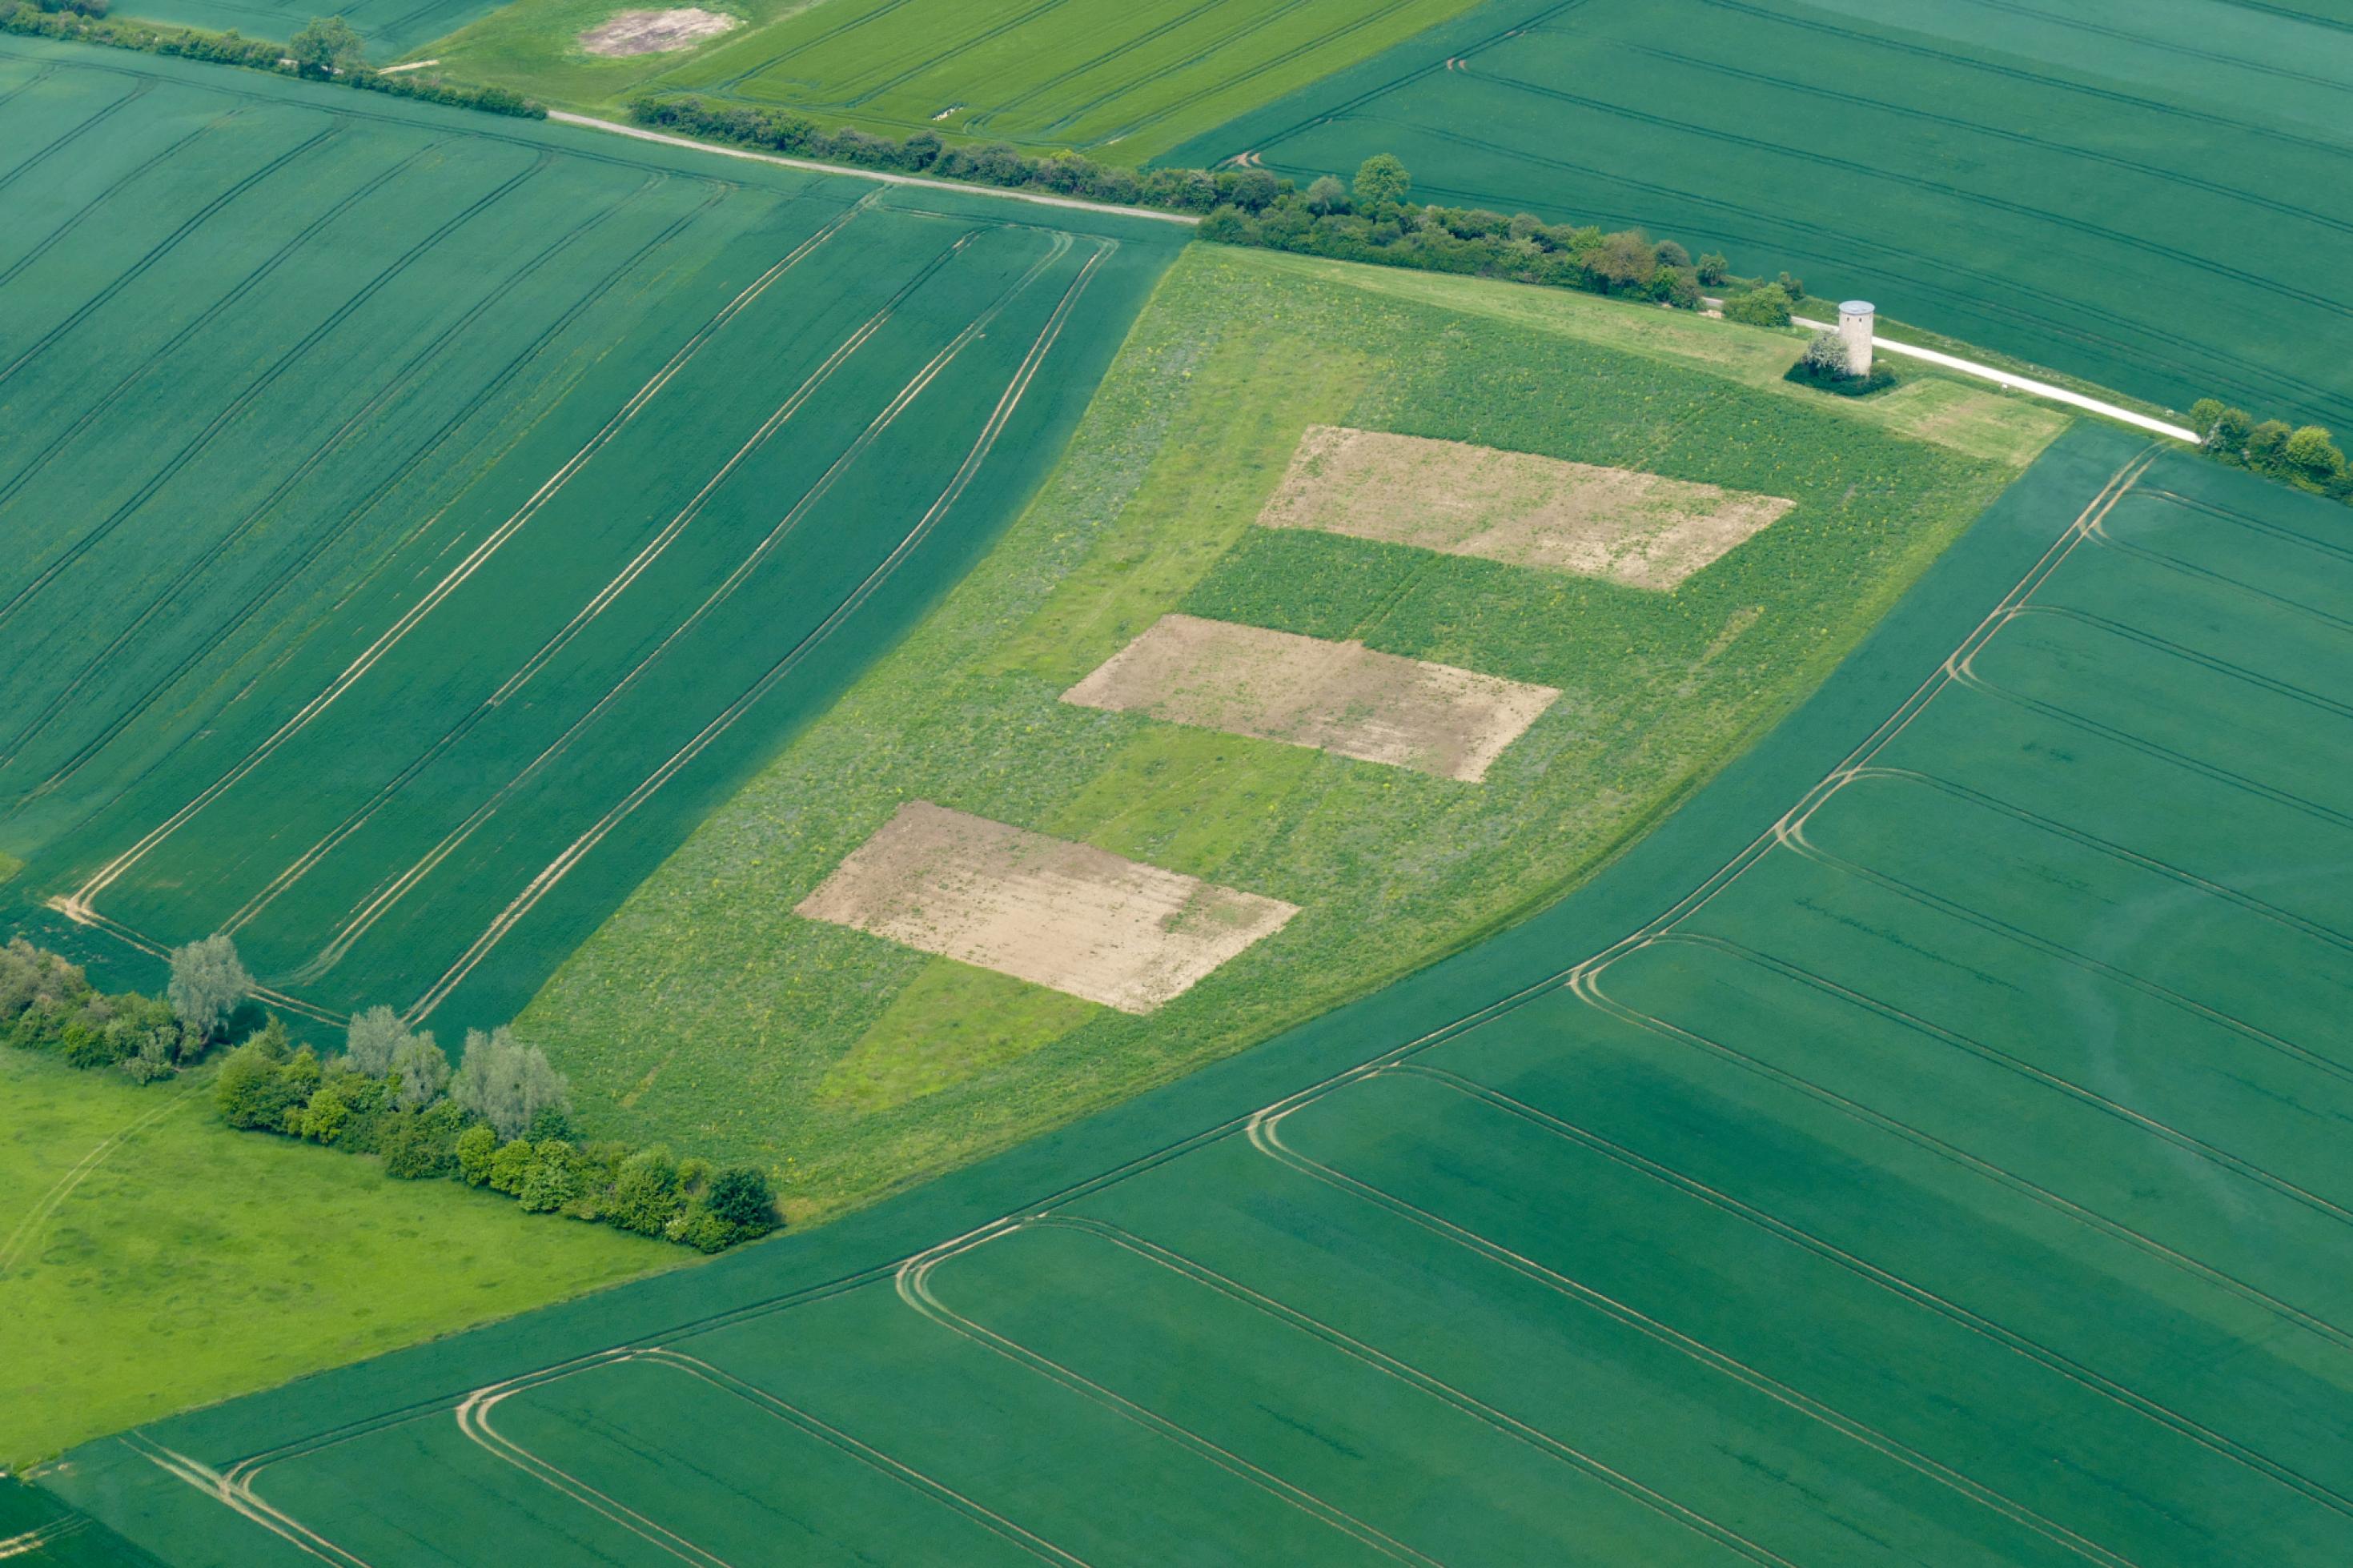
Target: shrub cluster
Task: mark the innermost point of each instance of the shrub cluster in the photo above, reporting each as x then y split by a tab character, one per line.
1372	220
1768	305
997	164
86	21
48	1005
501	1120
2307	457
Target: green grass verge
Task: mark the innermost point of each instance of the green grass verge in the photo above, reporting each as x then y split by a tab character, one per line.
1121	82
705	1012
152	1259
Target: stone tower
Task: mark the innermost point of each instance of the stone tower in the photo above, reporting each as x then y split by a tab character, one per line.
1855	319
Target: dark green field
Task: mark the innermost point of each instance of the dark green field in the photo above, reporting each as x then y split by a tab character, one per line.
2155	197
390	28
1927	1147
422	518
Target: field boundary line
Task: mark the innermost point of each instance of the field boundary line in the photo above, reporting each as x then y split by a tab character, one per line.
884	176
2011	381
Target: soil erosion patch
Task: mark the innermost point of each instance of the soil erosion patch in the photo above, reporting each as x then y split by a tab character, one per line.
1069	916
1336	696
1642	529
652	32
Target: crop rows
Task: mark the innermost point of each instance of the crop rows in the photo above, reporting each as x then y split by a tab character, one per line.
2148	205
420	527
1952	1157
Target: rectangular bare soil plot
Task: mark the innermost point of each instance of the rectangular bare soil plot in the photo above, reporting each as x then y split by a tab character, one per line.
1638	529
1065	915
1337	696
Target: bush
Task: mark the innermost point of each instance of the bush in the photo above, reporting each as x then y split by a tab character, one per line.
1826	356
475	1153
418	1146
1765	307
551	1180
2312	455
645	1195
511	1166
741	1196
263	1085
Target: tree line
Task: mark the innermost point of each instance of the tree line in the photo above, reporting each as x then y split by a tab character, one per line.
2307	458
501	1118
1371	219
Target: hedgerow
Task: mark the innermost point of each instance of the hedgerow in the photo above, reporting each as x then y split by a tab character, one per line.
1370	221
48	1005
501	1120
2307	457
997	164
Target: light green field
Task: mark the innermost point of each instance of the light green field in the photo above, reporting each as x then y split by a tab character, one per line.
706	1013
152	1259
1121	82
1923	1148
412	520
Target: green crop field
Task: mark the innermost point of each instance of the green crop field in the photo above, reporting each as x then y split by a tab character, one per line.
1925	1147
389	28
1117	81
2152	197
422	518
854	1066
37	1532
152	1259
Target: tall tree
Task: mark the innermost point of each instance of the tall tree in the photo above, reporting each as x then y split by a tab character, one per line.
208	983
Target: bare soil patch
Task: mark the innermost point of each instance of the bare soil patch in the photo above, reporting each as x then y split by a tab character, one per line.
1634	528
652	32
1337	697
1080	919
